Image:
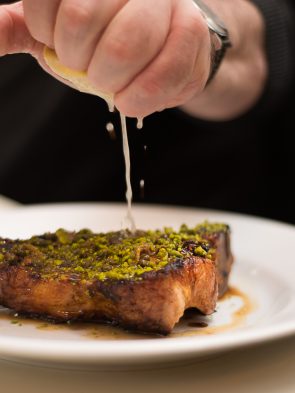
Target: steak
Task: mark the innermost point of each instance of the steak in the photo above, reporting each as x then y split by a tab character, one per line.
141	281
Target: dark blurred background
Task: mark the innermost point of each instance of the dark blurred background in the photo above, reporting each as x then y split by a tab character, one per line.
54	146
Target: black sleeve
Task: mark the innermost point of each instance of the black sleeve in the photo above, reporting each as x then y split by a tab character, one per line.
279	18
258	146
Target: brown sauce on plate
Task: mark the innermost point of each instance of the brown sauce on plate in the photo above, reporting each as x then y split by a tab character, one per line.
202	324
192	323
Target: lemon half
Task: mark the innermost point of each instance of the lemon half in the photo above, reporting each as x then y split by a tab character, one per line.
78	79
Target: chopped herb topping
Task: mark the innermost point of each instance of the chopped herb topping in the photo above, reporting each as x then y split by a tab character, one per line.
118	255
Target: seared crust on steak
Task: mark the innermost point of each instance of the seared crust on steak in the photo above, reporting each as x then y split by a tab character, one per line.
141	281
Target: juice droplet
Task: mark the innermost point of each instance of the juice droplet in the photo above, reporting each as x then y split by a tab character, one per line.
111	130
141	185
140	123
111	105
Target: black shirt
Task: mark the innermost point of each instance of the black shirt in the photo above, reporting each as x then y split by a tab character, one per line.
54	145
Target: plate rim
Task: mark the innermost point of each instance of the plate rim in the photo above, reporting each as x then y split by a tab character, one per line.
98	351
136	205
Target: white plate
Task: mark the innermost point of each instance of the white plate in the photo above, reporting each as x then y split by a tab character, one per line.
264	271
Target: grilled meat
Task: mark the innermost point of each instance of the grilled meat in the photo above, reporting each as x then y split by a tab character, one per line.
143	280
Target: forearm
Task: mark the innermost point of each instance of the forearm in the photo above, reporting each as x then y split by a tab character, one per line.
241	77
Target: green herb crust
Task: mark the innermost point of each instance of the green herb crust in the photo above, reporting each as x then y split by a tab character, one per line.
118	255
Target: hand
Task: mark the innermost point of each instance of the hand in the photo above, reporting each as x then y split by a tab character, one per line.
151	54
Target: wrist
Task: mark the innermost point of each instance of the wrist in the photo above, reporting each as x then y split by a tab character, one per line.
219	36
240	79
243	21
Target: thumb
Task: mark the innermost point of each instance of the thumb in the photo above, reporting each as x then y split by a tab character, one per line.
14	34
16	38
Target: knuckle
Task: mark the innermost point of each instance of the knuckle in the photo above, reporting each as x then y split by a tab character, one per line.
165	81
141	98
38	22
176	75
119	50
151	86
46	37
75	16
132	107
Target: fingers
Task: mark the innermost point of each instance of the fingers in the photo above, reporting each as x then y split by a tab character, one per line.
179	71
16	38
14	34
131	41
40	16
149	54
78	28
